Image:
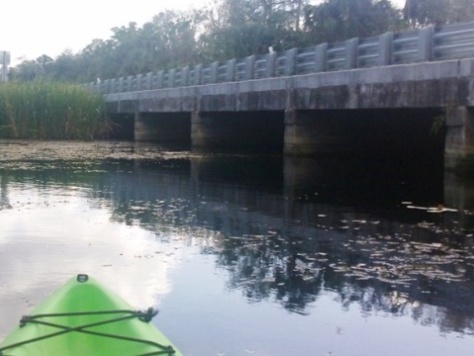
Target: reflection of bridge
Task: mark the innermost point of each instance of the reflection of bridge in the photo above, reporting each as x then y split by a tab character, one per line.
269	223
321	99
277	228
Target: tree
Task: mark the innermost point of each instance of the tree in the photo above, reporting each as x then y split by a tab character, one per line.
337	20
238	28
168	41
437	12
32	69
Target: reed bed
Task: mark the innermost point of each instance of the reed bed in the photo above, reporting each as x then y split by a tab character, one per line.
51	111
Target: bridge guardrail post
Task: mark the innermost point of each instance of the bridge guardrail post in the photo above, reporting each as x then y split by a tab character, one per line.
425	44
127	84
385	48
320	57
351	53
191	74
148	80
112	86
290	61
213	72
197	74
159	79
139	81
249	68
270	65
185	76
107	86
230	70
171	78
120	85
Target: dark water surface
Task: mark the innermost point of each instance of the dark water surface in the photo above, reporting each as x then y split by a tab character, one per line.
246	255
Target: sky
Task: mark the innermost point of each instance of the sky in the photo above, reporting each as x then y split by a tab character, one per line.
31	28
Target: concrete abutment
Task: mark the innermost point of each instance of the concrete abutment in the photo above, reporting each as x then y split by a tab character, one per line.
459	135
237	131
363	132
385	108
169	129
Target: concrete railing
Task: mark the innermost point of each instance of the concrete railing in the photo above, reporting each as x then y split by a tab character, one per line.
426	44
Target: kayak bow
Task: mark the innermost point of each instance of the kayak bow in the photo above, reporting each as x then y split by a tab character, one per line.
84	318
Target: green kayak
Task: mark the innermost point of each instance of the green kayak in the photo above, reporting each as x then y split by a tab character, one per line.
84	318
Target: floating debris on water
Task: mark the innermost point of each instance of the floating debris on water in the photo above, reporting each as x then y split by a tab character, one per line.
433	209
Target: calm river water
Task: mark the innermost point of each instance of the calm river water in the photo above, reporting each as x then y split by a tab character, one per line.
246	255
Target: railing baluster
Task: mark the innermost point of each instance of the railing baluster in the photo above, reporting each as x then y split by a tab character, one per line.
270	65
351	53
230	72
290	61
159	79
171	78
197	74
425	44
185	76
249	68
213	72
320	57
447	42
385	49
148	81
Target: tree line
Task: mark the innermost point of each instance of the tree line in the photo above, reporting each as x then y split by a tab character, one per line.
234	29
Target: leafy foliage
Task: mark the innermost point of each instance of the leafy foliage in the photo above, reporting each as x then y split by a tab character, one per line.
41	110
437	12
338	20
235	28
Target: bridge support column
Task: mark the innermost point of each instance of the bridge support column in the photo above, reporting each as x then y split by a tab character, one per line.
459	136
237	131
211	131
199	134
172	129
144	131
314	132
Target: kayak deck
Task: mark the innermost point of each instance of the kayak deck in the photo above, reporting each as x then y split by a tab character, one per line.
84	318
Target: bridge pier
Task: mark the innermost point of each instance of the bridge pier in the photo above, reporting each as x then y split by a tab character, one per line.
329	132
364	133
237	131
459	135
169	129
309	133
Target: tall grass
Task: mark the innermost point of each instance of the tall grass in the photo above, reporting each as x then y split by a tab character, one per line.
49	110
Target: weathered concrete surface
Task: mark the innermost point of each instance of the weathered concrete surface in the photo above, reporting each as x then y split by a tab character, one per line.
166	128
459	136
428	86
244	132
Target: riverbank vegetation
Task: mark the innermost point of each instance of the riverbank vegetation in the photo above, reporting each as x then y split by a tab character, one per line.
236	28
50	110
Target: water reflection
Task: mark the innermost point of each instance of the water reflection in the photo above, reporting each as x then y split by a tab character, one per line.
284	231
287	245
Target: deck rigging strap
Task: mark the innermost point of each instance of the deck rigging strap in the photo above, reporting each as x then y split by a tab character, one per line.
144	316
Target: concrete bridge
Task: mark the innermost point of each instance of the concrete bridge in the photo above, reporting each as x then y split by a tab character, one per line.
405	93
